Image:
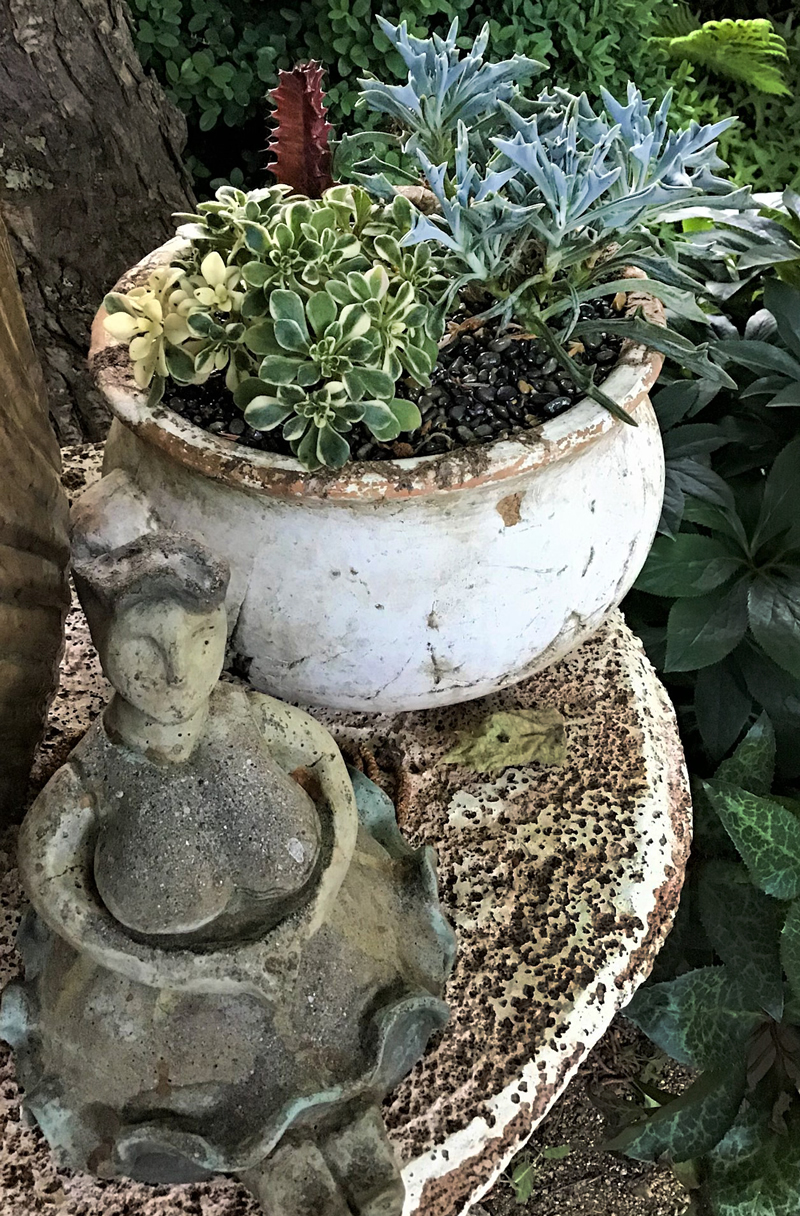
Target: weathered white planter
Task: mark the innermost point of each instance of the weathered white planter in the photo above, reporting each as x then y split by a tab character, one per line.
409	583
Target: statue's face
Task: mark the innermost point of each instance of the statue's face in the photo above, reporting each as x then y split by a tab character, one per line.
164	659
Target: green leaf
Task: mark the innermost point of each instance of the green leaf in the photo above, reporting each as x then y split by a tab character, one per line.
368	382
291	336
321	311
692	1124
277	369
204	324
208	118
758	356
774	611
380	420
689	565
255	236
743	925
700	1018
522	1178
332	450
355	321
180	364
722	706
287	306
783	302
255	274
704	629
251	387
265	413
556	1152
766	834
790	948
407	414
417	362
389	249
682	303
511	738
115	302
674	345
752	765
780	509
260	338
755	1171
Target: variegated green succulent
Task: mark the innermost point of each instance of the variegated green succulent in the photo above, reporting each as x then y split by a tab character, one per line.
397	319
310	307
225	222
326	365
146	319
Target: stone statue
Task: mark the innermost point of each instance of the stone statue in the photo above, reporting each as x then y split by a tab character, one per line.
232	954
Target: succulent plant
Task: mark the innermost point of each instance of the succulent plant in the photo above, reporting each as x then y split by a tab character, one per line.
300	155
544	203
310	307
146	319
224	222
443	87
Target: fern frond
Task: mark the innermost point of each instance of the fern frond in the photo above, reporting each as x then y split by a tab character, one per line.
742	50
680	22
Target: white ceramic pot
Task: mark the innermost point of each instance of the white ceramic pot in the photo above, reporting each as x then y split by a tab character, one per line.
412	583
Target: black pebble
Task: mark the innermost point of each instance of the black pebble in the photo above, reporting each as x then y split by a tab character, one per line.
472	396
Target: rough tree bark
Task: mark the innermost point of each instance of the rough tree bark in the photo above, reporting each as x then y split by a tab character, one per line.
34	551
90	172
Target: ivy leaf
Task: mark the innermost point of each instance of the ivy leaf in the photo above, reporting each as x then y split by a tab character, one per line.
710	840
704	629
743	925
511	738
754	1171
766	834
774	611
790	948
689	565
701	1018
752	765
692	1124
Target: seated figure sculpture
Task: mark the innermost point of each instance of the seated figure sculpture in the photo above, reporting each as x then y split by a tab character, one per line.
231	953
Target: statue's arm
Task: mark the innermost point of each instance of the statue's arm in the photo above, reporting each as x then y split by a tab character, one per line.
298	741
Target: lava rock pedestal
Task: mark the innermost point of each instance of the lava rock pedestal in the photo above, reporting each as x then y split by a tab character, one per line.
561	884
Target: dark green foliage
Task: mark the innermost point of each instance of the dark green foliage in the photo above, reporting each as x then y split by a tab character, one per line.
718	602
217	58
735	1017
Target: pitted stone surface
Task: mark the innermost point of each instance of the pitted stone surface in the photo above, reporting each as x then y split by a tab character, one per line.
561	883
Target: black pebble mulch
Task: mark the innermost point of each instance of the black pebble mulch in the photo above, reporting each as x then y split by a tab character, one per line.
486	385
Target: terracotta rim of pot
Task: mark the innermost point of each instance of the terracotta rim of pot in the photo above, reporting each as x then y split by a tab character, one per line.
248	469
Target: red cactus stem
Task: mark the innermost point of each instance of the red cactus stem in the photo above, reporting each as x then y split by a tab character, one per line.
301	156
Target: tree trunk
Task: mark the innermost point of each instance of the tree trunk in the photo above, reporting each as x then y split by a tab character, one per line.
90	172
34	551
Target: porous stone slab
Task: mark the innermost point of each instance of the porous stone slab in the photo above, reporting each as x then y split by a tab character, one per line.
561	883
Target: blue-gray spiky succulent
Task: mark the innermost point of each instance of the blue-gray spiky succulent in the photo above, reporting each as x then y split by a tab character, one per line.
543	204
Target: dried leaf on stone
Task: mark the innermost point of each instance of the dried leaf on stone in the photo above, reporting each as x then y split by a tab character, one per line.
512	738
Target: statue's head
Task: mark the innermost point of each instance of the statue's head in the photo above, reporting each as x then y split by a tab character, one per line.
157	616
